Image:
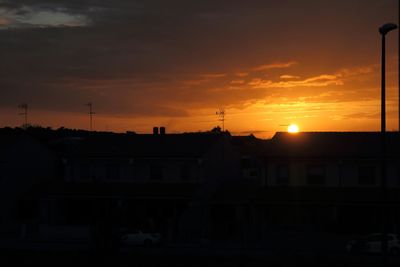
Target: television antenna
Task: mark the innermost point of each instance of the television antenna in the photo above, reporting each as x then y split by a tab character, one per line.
221	117
91	113
24	108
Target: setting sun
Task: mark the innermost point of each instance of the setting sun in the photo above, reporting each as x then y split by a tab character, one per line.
293	128
265	80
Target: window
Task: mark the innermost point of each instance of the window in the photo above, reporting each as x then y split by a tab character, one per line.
185	172
378	238
265	178
398	175
156	172
84	171
366	175
253	173
316	175
113	171
248	162
2	170
282	174
245	162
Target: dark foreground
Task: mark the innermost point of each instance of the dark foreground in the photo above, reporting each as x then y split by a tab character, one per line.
187	256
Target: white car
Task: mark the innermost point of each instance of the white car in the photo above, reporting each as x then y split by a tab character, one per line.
139	238
373	244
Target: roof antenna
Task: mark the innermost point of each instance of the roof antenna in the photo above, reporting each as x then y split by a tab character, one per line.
221	117
24	107
91	113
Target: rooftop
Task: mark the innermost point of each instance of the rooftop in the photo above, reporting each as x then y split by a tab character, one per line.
332	144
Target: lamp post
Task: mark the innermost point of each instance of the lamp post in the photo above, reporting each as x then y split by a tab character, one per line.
383	30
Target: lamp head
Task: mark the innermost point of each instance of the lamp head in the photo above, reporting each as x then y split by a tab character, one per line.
384	29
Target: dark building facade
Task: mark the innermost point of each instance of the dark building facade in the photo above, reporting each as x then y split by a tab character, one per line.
158	183
212	186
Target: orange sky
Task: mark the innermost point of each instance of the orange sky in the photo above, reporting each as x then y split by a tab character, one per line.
313	63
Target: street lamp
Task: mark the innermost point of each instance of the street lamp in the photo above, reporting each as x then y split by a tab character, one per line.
383	30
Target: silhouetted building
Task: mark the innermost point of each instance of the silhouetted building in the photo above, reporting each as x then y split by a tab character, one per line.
152	182
24	164
329	159
200	186
327	182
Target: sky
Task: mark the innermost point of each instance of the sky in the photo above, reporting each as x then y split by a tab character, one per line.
150	63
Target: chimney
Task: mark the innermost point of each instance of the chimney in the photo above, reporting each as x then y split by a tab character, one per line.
155	130
162	130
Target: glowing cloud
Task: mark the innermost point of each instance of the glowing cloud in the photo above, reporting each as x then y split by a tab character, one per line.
213	75
286	76
241	74
317	81
274	66
4	22
238	82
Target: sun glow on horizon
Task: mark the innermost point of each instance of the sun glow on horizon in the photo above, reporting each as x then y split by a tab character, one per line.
293	128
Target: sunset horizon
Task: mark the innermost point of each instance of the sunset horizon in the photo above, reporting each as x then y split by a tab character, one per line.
200	133
149	64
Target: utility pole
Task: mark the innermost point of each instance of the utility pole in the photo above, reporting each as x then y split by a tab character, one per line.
24	107
91	113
